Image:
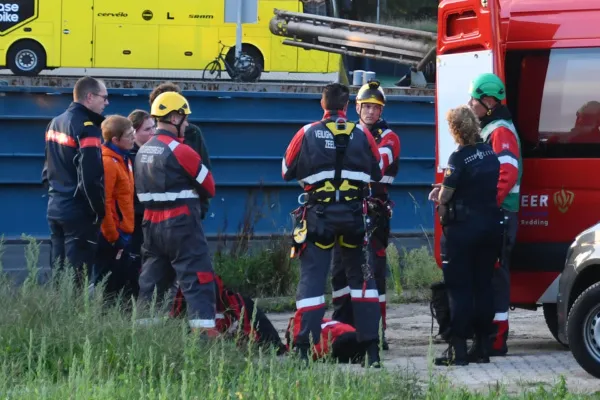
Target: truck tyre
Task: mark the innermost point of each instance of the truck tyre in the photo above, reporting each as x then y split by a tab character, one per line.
26	58
551	317
583	330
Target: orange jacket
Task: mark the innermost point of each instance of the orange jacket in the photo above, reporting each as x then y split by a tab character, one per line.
119	190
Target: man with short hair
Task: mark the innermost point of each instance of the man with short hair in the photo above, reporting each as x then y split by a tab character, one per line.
74	175
193	136
334	160
170	181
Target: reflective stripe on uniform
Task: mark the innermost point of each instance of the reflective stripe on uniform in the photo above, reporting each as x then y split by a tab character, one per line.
501	316
202	174
387	152
321	176
310	302
329	323
170	196
369	294
341	292
506	159
202	323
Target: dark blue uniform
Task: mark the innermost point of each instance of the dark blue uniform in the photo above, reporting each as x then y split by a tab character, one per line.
74	174
472	227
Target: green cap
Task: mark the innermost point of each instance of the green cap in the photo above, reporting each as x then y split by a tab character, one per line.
487	84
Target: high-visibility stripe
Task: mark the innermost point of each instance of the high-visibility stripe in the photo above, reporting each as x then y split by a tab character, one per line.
329	323
506	159
202	174
501	316
369	294
169	196
341	292
310	302
323	175
60	138
90	142
202	323
385	151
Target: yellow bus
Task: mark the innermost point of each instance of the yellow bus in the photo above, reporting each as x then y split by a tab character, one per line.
151	34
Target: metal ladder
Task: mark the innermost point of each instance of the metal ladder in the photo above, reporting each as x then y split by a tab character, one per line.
361	39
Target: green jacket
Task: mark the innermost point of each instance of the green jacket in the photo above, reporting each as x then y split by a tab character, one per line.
193	137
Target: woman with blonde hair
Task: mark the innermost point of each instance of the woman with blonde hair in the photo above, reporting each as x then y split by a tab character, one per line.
471	220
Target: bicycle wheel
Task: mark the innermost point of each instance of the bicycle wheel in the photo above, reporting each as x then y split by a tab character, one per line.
212	71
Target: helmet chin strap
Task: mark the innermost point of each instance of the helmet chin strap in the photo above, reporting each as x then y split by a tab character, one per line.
178	126
488	110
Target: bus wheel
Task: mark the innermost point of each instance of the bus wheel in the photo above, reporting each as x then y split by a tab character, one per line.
551	317
583	330
26	58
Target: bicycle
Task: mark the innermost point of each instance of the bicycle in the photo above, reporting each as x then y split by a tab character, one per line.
244	67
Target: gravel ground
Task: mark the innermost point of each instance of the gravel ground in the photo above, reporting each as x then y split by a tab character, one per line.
534	355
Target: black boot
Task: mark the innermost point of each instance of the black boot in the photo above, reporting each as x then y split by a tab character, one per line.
302	352
456	354
384	343
373	359
479	351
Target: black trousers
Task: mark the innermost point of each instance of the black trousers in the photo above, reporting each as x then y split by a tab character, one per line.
137	239
74	242
469	253
123	274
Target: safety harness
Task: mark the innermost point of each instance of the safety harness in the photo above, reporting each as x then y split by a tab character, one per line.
332	191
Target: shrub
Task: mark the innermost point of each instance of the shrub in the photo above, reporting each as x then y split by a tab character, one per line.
414	270
266	271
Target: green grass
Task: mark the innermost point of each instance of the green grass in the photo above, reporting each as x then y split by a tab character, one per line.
58	342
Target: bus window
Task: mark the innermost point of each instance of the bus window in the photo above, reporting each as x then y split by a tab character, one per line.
315	8
557	108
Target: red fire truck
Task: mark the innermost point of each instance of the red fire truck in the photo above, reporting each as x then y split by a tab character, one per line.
548	55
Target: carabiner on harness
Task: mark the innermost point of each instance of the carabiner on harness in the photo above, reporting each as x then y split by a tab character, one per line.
304	196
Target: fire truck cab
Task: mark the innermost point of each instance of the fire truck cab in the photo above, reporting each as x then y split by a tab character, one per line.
548	55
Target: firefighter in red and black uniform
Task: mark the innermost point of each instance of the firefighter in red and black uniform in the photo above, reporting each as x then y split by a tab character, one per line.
170	181
370	101
497	129
334	160
74	175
